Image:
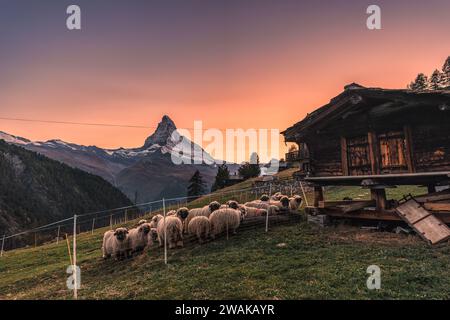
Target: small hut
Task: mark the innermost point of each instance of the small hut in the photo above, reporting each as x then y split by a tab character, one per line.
376	138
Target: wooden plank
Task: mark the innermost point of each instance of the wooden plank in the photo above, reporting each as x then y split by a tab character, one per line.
437	206
327	204
379	195
443	195
429	227
357	206
409	149
344	156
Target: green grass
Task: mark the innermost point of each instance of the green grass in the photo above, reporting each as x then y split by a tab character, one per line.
297	261
311	262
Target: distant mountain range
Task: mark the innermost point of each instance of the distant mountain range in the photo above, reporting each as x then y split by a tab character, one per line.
144	174
35	190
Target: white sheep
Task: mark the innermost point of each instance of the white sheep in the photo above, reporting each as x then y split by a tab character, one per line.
116	243
264	198
171	213
173	228
255	212
200	227
140	237
154	221
205	211
283	204
224	220
271	208
276	196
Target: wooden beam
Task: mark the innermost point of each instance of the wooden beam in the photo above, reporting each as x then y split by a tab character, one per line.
327	204
437	206
357	206
373	152
409	149
344	156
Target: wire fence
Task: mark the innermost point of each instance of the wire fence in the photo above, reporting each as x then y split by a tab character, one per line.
70	228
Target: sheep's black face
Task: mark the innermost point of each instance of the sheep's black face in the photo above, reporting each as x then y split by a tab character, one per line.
182	213
145	228
121	234
233	205
285	201
213	206
264	198
299	200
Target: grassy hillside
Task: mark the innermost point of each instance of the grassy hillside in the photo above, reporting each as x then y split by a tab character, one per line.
292	261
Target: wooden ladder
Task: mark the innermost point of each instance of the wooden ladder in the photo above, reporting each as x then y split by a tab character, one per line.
430	228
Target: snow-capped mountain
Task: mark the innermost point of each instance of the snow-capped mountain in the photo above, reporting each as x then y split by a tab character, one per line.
144	173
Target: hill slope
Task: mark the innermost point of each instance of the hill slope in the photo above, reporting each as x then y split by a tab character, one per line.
35	190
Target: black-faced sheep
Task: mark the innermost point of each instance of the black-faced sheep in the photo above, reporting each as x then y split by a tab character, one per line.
173	227
224	220
283	204
264	198
205	211
116	243
200	227
295	202
140	237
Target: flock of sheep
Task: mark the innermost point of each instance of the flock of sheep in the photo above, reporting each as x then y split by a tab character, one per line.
203	223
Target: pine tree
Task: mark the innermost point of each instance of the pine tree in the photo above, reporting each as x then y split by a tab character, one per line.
446	73
223	174
437	80
420	84
196	185
250	169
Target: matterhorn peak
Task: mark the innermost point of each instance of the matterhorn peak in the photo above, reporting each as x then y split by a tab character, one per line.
162	134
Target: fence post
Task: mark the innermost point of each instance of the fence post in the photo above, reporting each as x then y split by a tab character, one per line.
292	189
165	232
57	236
126	215
304	194
110	222
93	225
270	189
75	287
267	220
3	245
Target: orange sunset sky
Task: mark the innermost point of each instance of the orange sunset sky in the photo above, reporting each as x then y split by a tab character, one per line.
231	64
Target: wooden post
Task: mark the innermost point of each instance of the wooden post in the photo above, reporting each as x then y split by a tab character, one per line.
409	149
379	195
126	215
57	236
110	222
344	156
318	195
93	225
267	220
68	249
3	245
373	152
431	188
75	287
165	232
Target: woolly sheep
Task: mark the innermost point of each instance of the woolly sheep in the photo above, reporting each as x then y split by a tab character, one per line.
174	228
155	220
295	202
140	237
200	227
283	204
276	196
116	243
255	212
142	222
171	213
264	198
224	220
205	211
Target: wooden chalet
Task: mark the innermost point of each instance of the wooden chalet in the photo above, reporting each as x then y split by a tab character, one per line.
377	138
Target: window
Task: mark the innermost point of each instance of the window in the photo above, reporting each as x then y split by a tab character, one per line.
392	151
358	155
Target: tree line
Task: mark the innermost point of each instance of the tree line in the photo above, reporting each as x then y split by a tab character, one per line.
438	80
